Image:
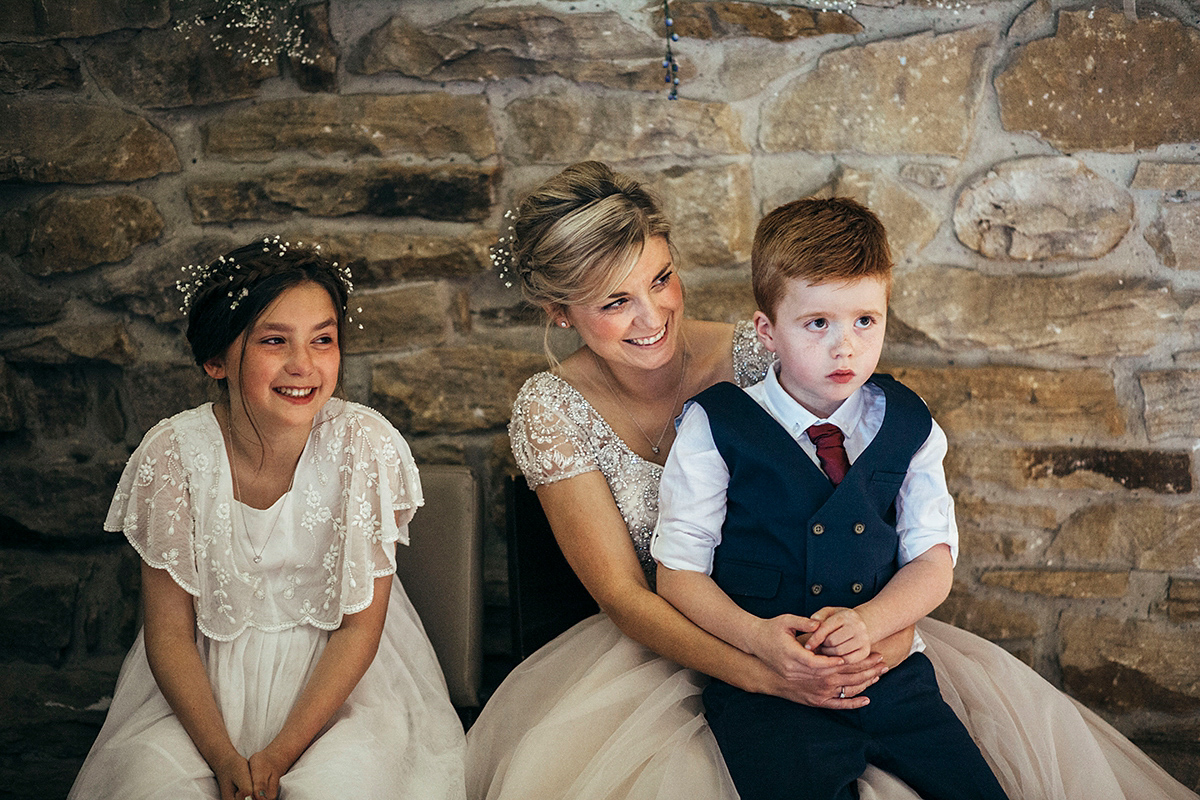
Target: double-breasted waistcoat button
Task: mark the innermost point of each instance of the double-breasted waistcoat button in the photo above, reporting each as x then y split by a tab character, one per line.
859	527
817	588
856	587
818	529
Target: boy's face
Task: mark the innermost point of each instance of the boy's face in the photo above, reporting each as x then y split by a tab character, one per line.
828	338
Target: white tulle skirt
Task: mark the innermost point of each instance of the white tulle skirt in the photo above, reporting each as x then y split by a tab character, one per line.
595	716
397	735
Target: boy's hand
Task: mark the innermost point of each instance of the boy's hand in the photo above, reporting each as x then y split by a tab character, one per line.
774	642
842	632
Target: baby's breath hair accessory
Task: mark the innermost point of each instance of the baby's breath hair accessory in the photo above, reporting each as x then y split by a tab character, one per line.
501	252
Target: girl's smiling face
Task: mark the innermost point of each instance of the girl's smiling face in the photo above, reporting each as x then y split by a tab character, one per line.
637	324
283	368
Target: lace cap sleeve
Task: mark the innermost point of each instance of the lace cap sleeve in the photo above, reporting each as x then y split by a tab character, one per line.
750	359
153	506
549	430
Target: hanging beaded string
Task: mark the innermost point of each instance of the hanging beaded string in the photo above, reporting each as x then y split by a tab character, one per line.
198	276
670	65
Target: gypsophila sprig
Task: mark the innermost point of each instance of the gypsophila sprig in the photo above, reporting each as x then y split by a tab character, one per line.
257	31
501	252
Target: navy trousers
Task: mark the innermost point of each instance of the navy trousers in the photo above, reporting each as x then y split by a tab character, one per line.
779	750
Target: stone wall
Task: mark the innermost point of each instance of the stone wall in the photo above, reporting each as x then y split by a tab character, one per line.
1036	164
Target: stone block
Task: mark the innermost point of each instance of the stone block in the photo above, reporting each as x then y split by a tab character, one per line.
1036	20
992	619
910	224
1074	584
1087	315
29	67
315	62
566	128
498	43
1127	665
1175	235
1167	176
457	193
73	340
379	258
178	67
54	142
59	501
157	391
710	209
917	94
721	301
39	20
776	23
10	414
926	174
71	234
1133	535
427	124
399	319
37	606
1131	87
1058	468
1183	599
1171	403
1028	405
1044	208
452	389
26	301
990	531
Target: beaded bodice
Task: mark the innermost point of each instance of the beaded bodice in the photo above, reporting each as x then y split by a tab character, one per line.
556	434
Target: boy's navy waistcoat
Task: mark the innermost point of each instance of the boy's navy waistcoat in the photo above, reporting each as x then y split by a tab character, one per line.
792	543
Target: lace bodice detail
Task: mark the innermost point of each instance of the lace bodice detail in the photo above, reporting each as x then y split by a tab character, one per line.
556	434
335	530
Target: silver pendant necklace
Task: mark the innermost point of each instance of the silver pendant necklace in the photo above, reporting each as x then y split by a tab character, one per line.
237	490
654	445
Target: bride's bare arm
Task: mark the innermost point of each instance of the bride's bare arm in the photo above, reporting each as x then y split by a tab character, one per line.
595	540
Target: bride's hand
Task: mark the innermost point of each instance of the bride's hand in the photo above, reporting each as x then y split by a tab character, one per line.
832	687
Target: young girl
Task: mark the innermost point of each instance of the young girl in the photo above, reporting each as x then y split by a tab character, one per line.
280	657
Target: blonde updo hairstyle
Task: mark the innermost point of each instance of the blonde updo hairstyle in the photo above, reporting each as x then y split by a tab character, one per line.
578	236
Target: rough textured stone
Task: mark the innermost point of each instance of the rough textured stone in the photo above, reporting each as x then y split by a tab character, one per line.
990	531
1183	599
71	234
1029	405
1167	176
26	301
1071	468
1135	535
1036	20
73	339
1077	584
173	68
1132	85
36	20
910	225
10	416
315	65
721	301
497	43
1043	208
926	175
710	213
571	127
1085	315
1172	403
451	192
716	20
157	391
986	617
51	142
25	67
1175	235
378	258
62	501
430	125
452	389
1131	664
399	319
913	95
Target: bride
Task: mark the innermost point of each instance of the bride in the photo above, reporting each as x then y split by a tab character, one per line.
611	708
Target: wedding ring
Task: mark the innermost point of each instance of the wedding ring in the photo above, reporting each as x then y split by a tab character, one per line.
841	693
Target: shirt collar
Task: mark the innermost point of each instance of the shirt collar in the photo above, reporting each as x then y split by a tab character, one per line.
797	419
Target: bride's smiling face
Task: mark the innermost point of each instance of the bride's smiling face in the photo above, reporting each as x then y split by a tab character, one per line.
638	324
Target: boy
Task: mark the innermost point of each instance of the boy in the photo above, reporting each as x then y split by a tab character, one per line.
754	539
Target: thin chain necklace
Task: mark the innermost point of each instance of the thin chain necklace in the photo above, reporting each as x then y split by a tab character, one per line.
237	490
654	445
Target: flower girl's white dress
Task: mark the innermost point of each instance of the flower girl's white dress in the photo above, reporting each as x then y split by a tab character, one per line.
268	587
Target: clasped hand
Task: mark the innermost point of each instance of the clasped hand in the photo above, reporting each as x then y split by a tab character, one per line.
256	778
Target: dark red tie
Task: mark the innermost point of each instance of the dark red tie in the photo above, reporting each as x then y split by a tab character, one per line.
830	450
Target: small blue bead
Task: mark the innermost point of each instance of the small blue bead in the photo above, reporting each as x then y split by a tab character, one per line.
674	37
670	21
677	81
